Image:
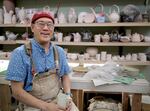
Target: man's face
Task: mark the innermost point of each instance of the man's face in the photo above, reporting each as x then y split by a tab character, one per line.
43	29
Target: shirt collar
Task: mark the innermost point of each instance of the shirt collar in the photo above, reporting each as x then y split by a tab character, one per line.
36	44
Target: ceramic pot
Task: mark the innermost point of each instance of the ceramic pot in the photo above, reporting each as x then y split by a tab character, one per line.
147	38
9	4
62	18
97	38
86	36
2	38
99	17
137	37
72	17
114	15
115	35
22	15
67	38
125	39
1	17
14	19
106	37
92	51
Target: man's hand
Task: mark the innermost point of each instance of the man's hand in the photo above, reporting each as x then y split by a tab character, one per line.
69	104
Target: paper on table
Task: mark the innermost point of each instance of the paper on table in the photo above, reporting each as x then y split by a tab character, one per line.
98	82
3	65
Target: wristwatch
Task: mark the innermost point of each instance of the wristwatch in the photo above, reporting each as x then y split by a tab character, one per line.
68	94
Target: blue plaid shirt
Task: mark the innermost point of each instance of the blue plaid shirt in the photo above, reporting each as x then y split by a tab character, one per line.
19	68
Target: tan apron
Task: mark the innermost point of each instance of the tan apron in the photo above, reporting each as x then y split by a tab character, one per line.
45	86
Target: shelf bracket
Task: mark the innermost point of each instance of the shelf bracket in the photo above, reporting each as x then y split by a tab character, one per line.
120	51
1	47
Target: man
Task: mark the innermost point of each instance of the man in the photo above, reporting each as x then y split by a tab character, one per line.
35	69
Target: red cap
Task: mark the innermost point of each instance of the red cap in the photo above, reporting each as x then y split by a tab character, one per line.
42	14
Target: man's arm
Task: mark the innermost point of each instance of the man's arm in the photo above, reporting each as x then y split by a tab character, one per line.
20	94
66	83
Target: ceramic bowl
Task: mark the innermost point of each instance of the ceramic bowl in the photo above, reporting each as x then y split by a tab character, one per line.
92	51
125	39
74	56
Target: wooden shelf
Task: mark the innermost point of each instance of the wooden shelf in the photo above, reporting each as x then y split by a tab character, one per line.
13	42
103	43
8	42
120	62
134	24
14	25
124	24
83	43
138	63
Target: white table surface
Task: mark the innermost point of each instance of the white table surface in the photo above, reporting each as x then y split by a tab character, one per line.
138	86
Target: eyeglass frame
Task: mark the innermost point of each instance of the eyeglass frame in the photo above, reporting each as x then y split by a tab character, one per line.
45	23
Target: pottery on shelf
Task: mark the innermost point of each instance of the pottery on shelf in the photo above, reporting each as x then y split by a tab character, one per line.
114	15
11	35
92	51
99	17
7	16
72	16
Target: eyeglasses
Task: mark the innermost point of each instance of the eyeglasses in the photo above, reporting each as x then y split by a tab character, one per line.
42	24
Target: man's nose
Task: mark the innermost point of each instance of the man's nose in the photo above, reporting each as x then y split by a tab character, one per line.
45	26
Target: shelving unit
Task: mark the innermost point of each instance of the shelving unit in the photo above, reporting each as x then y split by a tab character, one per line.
124	24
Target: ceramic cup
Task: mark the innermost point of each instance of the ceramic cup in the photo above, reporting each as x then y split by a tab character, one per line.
2	38
108	57
103	55
60	37
128	57
142	57
97	38
98	57
86	56
134	57
147	38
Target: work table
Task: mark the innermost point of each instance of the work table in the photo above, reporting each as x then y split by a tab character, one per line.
79	86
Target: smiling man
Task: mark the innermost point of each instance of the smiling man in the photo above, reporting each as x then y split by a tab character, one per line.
38	70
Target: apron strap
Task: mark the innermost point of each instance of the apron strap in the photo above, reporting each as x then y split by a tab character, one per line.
28	49
56	58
